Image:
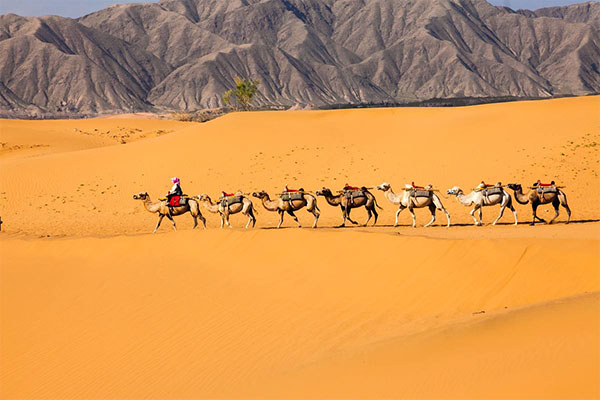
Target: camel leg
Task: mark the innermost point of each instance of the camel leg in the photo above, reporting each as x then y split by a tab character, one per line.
480	215
295	218
173	221
563	202
515	214
227	221
253	218
432	210
414	217
375	214
160	218
400	209
447	217
534	207
502	208
473	214
222	221
343	217
369	214
280	218
203	220
315	212
348	216
555	204
195	221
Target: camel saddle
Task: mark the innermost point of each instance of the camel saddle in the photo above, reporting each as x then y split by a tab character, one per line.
177	201
292	196
492	190
226	202
354	194
547	189
421	193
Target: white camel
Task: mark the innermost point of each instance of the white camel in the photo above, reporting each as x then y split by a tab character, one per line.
479	199
405	200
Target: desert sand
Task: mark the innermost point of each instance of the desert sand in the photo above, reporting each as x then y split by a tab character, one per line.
92	305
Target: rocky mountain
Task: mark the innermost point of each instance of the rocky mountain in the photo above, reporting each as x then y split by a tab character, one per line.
183	54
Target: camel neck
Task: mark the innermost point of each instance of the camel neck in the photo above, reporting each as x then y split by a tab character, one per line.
269	204
391	196
150	206
334	200
208	204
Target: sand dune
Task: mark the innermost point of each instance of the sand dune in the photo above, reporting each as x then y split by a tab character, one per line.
92	306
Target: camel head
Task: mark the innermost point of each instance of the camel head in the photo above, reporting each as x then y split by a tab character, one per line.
384	186
324	192
455	191
515	186
203	197
260	195
141	196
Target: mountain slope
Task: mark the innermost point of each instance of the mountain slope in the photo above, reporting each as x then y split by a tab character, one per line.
183	54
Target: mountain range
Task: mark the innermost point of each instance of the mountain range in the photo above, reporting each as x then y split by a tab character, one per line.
183	54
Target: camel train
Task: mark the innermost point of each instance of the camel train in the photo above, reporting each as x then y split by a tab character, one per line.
412	197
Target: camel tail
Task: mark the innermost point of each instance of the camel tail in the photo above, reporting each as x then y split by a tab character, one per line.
375	201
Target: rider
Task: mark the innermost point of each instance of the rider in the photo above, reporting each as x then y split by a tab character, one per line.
415	187
175	189
348	187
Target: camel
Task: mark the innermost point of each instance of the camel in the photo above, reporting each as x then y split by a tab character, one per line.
163	210
289	206
557	198
405	200
480	200
245	207
368	201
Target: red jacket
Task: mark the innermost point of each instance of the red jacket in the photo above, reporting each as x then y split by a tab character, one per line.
348	187
289	190
416	187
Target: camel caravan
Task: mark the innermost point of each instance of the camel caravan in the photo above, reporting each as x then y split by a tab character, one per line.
412	197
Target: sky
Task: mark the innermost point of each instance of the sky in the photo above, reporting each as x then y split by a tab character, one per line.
78	8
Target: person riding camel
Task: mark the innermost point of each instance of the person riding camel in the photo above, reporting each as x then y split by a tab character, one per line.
224	194
415	187
174	192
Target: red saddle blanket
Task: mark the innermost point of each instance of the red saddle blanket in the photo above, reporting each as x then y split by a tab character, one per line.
175	201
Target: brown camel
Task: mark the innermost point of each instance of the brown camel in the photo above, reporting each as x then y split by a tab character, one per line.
163	210
290	205
555	196
347	203
241	204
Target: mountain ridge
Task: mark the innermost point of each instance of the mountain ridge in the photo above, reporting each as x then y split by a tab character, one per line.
181	55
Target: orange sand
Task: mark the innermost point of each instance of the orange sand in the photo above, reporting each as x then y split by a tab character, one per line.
92	306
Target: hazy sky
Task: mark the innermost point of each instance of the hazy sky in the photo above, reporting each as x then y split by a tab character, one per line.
77	8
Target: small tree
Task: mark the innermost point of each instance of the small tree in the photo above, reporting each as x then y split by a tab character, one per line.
227	97
244	92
